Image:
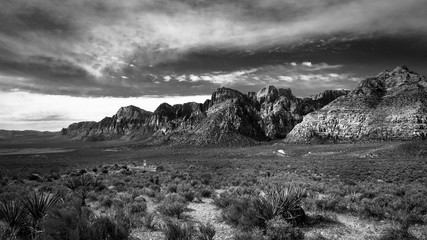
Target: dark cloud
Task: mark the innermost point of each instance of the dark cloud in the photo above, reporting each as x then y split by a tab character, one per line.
186	47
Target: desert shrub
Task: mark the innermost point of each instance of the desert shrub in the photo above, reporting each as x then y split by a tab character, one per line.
172	209
149	192
328	203
172	188
280	201
137	207
175	230
78	222
205	232
278	229
174	197
149	221
108	228
206	192
107	202
224	199
240	212
249	235
397	233
189	196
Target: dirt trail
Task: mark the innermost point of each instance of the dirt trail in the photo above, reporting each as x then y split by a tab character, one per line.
207	212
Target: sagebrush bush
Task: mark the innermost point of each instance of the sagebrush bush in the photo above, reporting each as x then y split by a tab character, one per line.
77	222
175	230
255	234
172	209
278	229
149	221
240	212
137	207
205	232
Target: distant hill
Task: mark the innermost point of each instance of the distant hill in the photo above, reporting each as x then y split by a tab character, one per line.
229	118
389	106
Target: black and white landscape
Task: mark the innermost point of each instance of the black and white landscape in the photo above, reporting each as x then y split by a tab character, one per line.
197	119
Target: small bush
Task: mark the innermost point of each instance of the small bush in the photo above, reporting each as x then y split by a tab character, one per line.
172	209
249	235
278	229
242	214
189	196
397	233
149	221
175	230
137	207
206	192
172	188
205	232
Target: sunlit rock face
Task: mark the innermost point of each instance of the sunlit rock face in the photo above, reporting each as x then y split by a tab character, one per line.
389	106
229	118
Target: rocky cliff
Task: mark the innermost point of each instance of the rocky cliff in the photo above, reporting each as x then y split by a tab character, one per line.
228	118
389	106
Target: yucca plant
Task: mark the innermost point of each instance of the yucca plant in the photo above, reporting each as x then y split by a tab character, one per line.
36	204
12	213
83	185
282	201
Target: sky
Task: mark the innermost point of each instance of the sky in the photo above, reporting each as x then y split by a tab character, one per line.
63	61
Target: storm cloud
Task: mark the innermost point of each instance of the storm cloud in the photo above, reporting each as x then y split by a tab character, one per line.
190	47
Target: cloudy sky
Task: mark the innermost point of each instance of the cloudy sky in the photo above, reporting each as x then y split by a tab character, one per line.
63	61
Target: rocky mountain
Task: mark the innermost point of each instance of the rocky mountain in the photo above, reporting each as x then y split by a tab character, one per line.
228	118
389	106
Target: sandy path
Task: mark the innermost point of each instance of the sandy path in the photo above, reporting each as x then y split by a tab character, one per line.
207	212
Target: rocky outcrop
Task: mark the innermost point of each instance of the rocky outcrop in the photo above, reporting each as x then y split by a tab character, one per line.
389	106
228	118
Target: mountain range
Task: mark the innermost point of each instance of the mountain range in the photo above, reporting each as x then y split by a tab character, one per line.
391	105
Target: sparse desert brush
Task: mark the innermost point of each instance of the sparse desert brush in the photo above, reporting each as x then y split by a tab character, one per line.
137	207
278	229
175	230
240	212
149	221
397	233
255	234
206	192
77	222
172	188
205	232
172	209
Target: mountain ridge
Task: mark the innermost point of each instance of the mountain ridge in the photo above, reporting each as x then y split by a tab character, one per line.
229	118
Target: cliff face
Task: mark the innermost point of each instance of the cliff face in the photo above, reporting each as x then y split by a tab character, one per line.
389	106
228	118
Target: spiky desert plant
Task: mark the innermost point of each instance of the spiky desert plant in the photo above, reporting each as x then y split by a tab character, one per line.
36	206
83	185
12	213
282	201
